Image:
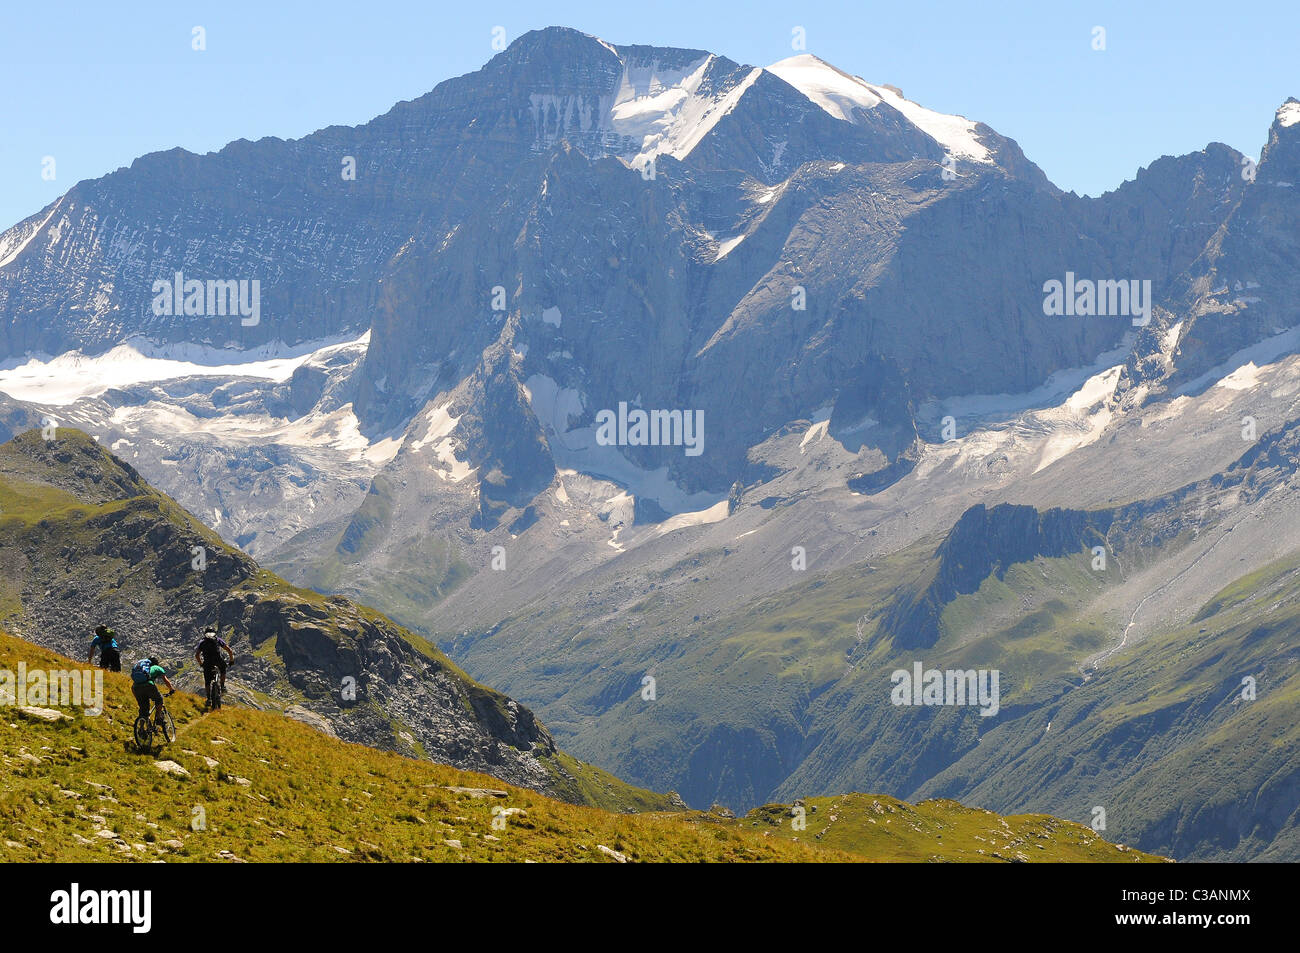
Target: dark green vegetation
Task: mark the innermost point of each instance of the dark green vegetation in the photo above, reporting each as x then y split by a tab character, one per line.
1191	766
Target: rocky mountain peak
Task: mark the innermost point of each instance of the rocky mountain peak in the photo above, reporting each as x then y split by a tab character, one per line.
1279	162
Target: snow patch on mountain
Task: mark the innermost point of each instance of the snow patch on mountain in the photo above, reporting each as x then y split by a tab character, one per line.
973	409
955	133
1243	378
821	422
726	245
1169	340
713	514
70	377
842	96
664	109
1082	419
1267	351
438	434
618	511
1071	410
839	94
577	449
440	424
16	239
1288	114
338	431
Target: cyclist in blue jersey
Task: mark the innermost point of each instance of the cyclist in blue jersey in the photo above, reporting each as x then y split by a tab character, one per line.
144	674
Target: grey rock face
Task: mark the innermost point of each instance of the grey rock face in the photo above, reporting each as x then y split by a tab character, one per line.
1240	289
357	672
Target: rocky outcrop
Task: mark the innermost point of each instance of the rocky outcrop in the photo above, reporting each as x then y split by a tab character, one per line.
1241	288
372	683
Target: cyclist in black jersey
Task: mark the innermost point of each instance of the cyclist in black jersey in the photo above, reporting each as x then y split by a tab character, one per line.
208	654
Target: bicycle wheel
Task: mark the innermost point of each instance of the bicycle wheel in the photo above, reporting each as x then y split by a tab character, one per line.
216	694
168	726
143	734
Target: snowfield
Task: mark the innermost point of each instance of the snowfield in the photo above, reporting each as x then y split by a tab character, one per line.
63	380
841	95
665	110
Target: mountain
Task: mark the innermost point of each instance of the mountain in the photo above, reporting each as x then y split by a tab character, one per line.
885	438
70	793
771	277
771	264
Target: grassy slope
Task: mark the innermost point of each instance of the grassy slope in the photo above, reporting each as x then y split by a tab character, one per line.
32	507
745	680
1160	738
308	797
278	791
939	830
1156	738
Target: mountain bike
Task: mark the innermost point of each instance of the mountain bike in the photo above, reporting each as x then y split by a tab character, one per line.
212	678
146	728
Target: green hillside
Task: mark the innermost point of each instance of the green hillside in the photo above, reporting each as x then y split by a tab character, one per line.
790	697
1169	739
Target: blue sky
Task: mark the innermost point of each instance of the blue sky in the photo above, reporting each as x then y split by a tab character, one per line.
94	85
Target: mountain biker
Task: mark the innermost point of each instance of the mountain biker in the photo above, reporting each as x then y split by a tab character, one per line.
208	654
109	655
143	675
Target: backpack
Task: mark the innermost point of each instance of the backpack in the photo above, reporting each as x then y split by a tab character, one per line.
209	649
140	671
